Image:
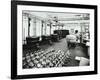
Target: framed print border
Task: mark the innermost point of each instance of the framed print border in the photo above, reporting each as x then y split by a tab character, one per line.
14	31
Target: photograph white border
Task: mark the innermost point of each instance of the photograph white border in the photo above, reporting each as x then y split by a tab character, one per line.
21	71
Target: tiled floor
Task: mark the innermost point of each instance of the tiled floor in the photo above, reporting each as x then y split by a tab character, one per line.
62	45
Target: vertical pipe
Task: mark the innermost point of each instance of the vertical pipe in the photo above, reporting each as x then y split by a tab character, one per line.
45	27
35	26
42	28
29	27
50	28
